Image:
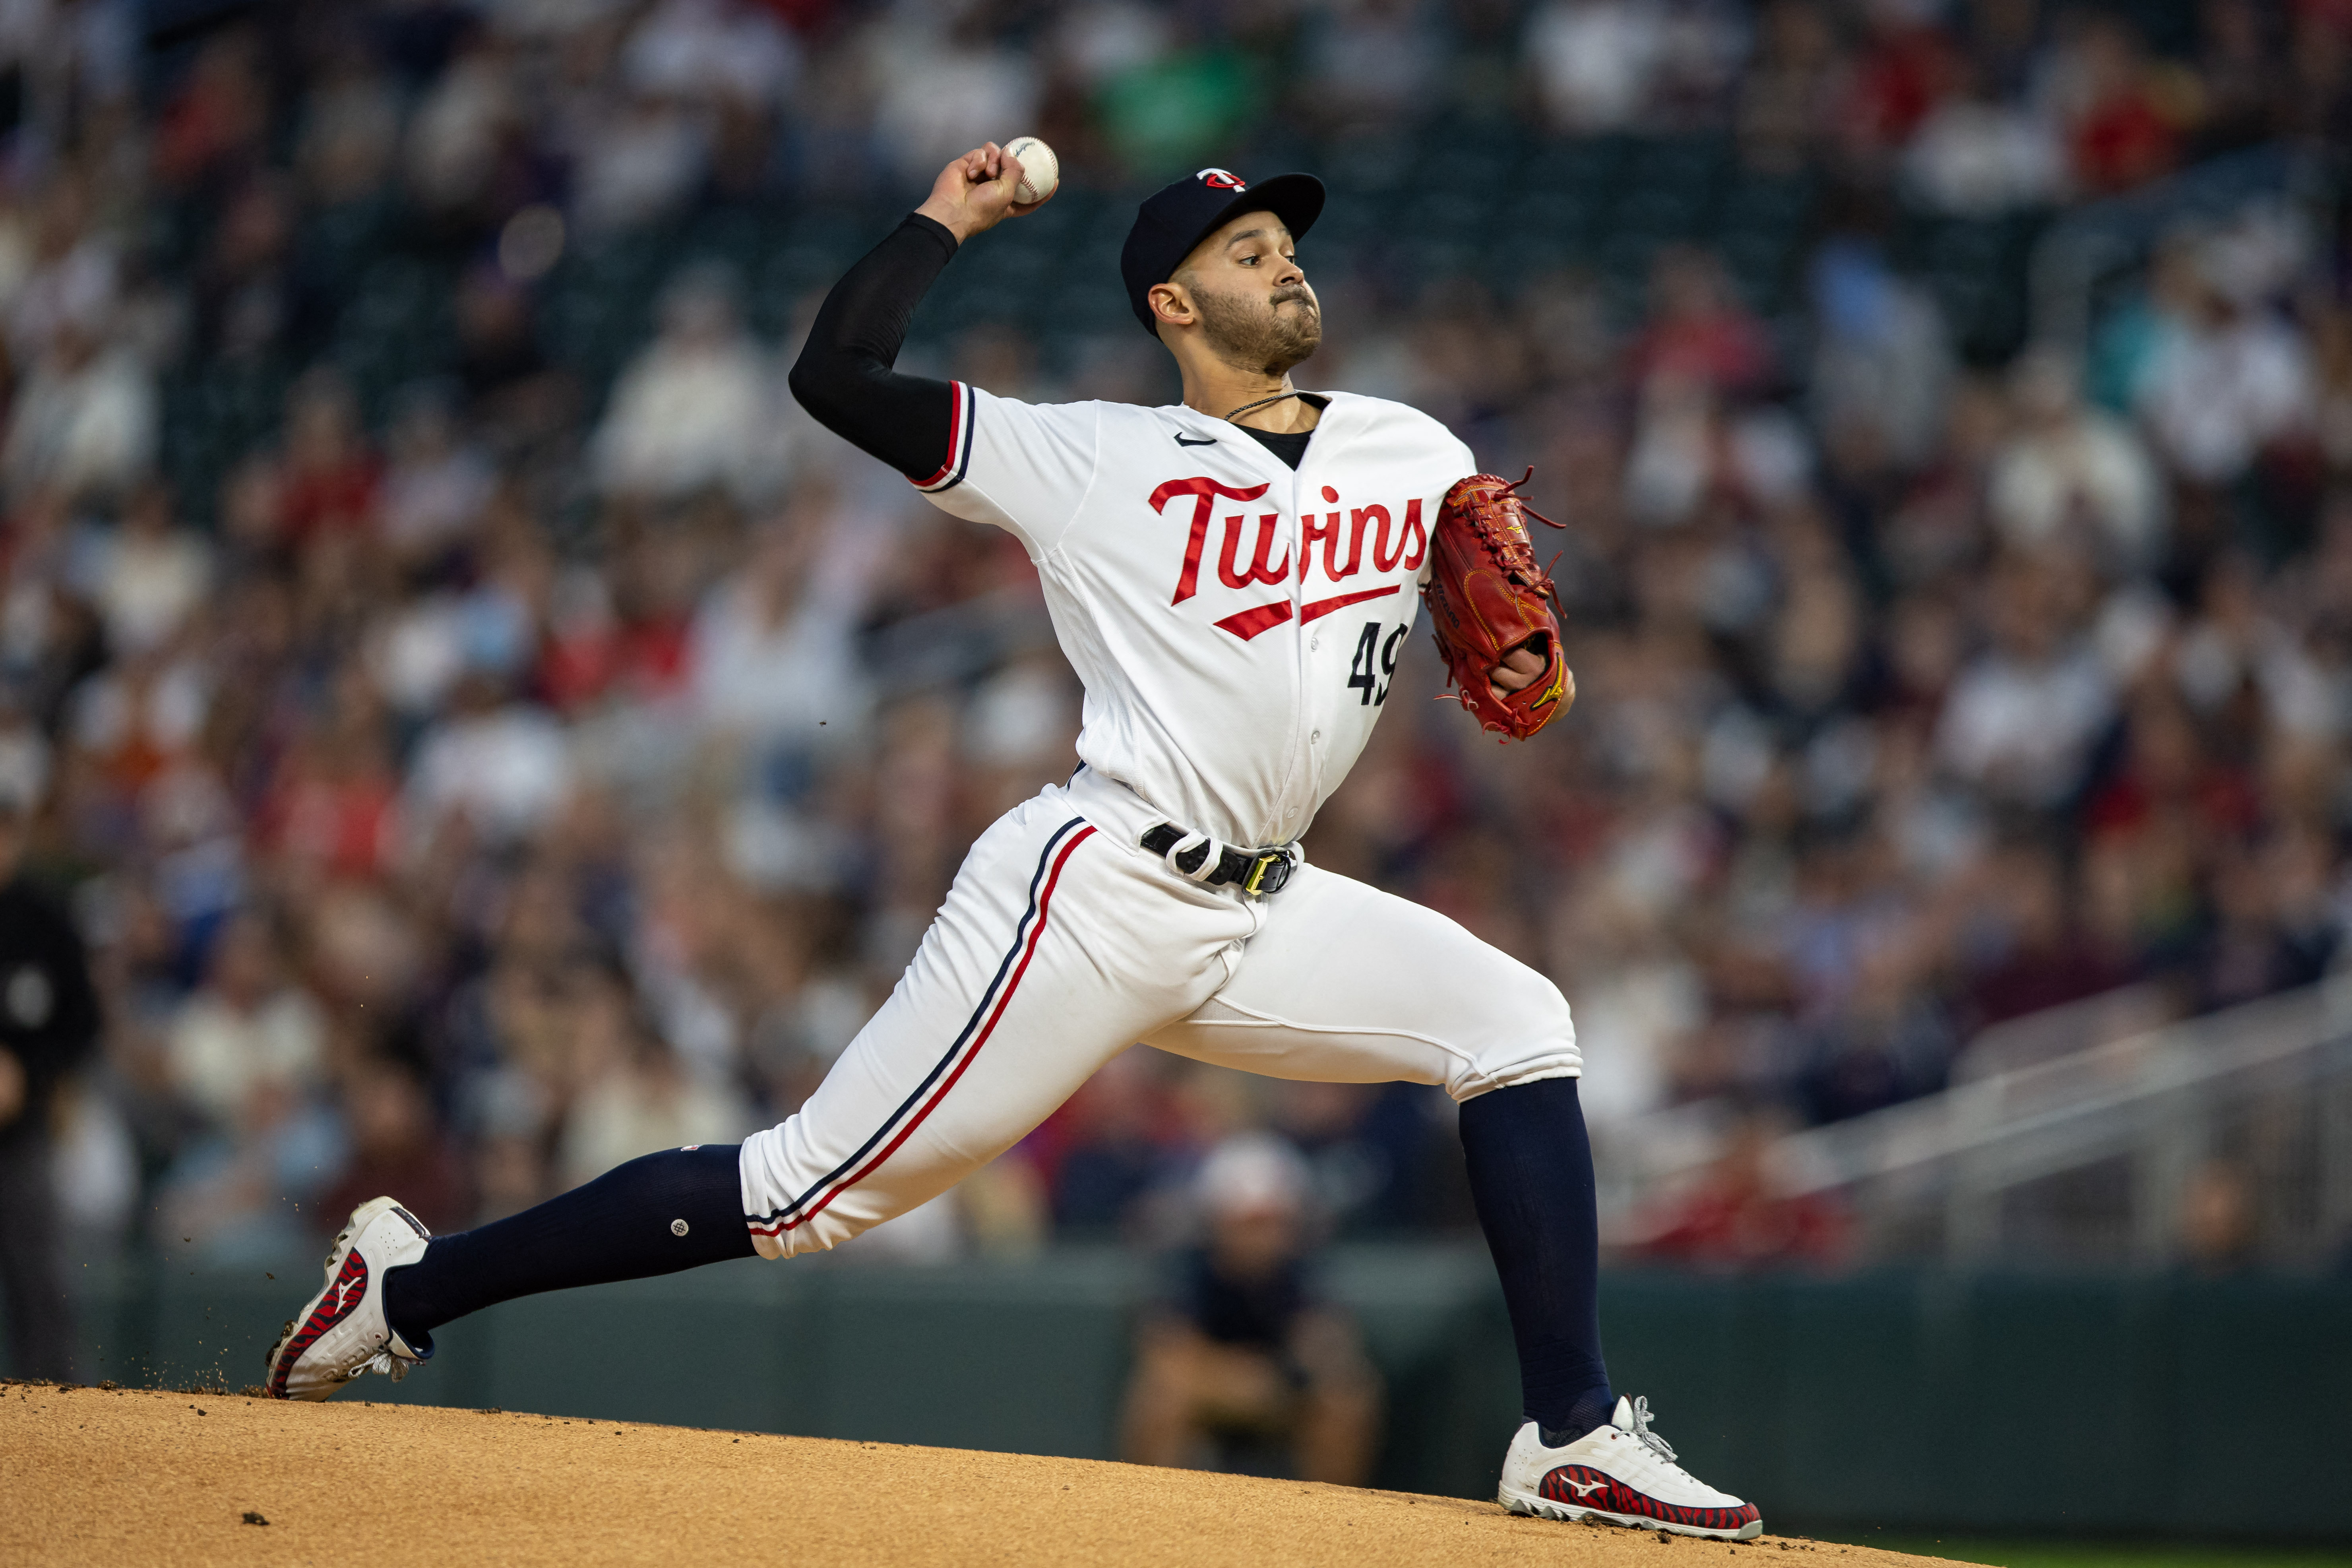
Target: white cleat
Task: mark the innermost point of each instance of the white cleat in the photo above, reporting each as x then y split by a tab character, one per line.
1622	1473
342	1333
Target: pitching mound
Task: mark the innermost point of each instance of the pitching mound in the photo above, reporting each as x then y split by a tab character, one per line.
133	1476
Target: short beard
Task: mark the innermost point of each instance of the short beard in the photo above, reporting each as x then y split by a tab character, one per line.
1253	336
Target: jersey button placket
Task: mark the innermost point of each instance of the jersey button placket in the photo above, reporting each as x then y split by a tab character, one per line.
1303	693
1314	679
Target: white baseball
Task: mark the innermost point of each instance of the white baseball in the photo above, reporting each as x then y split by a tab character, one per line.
1041	172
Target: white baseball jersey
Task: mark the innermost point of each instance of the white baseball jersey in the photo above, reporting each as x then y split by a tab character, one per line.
1235	622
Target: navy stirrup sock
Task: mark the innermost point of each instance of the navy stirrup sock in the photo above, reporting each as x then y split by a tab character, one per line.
1531	1181
678	1209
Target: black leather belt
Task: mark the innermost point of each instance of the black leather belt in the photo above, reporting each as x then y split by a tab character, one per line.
1260	872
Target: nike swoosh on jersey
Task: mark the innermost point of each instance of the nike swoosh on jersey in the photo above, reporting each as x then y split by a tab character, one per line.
1204	441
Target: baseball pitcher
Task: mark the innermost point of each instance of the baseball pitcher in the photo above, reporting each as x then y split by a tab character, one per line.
1232	578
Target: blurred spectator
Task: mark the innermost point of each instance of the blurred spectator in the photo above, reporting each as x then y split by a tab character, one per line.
2238	74
1907	63
635	1096
2273	929
236	1193
2231	378
249	301
1374	1153
67	275
1698	331
774	653
1105	1147
2218	1221
1736	1216
2124	113
48	1026
330	474
511	388
456	131
2036	958
642	1105
938	81
2071	469
150	575
1245	1363
638	161
246	1027
1595	60
1637	999
395	1149
503	766
708	49
697	408
1369	64
2022	717
217	112
1788	99
2146	319
435	486
85	420
1882	363
351	129
1978	156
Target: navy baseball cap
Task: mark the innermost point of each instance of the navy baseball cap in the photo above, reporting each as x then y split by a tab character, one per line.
1170	223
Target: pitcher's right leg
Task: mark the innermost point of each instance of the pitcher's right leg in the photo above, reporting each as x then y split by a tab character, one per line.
1055	950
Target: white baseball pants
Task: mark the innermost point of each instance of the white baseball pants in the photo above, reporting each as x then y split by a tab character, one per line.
1063	941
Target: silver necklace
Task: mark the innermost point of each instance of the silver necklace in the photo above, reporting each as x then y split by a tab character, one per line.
1261	402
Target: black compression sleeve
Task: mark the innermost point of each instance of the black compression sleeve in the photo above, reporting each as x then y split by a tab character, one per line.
844	375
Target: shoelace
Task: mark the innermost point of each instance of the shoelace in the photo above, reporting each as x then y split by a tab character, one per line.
1650	1440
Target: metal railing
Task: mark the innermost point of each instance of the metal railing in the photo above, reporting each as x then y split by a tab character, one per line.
2092	1156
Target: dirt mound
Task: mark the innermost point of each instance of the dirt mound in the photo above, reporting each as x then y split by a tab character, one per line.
132	1477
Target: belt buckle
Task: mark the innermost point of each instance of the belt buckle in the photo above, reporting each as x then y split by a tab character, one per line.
1268	874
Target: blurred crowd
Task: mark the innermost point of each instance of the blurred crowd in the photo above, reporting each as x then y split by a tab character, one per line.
471	762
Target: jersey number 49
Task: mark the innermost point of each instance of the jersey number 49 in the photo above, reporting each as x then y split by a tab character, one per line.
1374	665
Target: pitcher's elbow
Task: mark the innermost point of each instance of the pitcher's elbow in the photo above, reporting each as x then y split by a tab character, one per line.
808	388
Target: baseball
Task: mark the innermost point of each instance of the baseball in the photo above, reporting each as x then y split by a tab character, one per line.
1041	172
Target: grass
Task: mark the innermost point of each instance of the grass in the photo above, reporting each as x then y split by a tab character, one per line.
2045	1551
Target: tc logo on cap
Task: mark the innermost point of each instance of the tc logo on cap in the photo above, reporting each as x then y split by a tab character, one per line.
1222	180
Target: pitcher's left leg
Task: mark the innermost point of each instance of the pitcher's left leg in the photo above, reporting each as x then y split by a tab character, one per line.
1347	983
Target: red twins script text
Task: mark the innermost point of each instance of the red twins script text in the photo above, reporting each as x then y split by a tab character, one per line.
1266	559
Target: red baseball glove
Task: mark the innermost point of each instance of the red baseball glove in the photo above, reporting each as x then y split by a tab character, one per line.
1487	596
